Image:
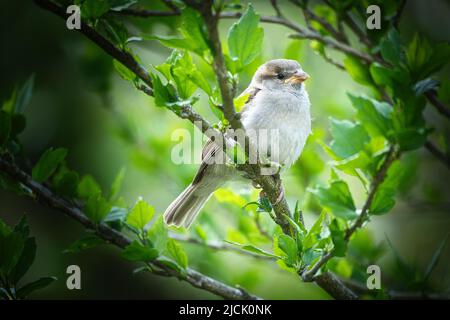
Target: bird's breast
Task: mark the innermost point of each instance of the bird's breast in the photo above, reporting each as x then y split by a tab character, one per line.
279	123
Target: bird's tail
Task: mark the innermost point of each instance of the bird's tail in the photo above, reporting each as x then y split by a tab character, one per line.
183	210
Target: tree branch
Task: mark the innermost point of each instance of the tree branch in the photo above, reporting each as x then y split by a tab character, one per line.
302	33
50	199
440	107
270	184
216	245
377	181
441	156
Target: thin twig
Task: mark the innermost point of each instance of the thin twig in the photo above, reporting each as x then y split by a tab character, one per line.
443	157
439	106
50	199
216	245
377	181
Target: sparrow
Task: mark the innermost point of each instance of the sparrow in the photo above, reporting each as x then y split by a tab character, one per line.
278	111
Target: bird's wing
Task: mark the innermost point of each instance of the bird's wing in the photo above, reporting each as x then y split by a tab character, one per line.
251	92
211	150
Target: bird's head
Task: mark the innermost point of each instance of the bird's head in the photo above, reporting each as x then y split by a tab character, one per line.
280	74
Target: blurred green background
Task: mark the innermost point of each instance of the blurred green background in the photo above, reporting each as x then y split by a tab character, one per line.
80	103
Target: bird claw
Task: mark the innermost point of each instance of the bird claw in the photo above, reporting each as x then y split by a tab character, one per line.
280	196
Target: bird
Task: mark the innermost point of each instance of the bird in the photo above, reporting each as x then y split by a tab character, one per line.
278	105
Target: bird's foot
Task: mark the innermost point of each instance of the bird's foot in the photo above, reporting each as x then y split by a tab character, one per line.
280	196
270	168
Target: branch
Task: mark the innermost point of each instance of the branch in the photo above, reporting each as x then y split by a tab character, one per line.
398	295
124	57
443	157
440	107
270	184
310	275
216	245
50	199
302	33
398	15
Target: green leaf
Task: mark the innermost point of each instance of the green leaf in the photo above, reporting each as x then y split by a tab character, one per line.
380	74
337	231
88	187
137	252
171	264
245	39
65	182
435	259
48	163
374	115
384	199
391	49
348	137
97	208
358	71
177	253
337	199
253	249
158	234
185	74
140	215
164	94
5	127
289	247
24	95
11	247
194	35
33	286
125	73
88	241
94	9
314	234
25	261
117	184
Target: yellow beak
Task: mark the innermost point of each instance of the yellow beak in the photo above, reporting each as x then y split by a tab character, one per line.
297	77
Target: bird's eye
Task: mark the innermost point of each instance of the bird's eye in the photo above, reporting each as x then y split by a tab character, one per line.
280	76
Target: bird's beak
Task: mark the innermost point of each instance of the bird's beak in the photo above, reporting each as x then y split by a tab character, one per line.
297	77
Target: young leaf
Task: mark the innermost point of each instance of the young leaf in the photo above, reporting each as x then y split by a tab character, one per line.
348	137
177	253
140	215
125	73
158	234
137	252
435	259
375	116
25	261
289	247
358	71
337	199
253	249
86	242
65	182
116	185
24	95
97	208
245	39
48	163
88	187
33	286
338	237
194	35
